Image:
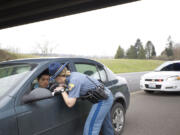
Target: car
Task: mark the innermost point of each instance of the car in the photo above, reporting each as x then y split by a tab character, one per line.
22	113
165	78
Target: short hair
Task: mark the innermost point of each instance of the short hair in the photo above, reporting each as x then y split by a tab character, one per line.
46	72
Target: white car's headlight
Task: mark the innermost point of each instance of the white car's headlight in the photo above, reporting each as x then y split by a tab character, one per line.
173	78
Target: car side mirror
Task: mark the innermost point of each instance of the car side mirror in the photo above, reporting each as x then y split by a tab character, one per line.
37	94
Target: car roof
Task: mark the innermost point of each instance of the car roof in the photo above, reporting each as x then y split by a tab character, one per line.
174	61
48	60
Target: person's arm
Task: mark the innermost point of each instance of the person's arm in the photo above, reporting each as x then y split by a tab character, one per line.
70	102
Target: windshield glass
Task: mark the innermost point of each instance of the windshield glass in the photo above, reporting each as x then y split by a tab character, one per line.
10	75
169	67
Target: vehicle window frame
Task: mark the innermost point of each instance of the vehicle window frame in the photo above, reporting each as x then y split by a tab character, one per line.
100	66
28	85
33	66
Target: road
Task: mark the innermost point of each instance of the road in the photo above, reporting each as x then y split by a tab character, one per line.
153	114
133	79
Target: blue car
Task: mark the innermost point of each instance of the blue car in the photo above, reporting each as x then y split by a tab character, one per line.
22	113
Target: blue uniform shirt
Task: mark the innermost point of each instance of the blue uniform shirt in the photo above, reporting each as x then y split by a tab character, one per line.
79	84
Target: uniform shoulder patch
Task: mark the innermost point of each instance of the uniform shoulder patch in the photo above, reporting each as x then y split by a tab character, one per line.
71	86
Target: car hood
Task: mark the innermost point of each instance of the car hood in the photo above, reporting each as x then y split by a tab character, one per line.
160	74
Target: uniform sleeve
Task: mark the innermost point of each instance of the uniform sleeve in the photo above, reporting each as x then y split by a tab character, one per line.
74	87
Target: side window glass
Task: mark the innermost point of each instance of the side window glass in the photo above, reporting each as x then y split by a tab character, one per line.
177	67
172	67
102	74
88	69
168	68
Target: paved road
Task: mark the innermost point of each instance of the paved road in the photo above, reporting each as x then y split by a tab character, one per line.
153	114
133	79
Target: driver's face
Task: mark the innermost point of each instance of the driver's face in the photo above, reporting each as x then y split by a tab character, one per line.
44	81
61	79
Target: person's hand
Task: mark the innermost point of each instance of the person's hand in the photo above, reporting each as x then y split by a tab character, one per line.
58	91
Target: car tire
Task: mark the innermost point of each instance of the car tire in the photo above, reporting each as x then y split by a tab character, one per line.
118	118
149	91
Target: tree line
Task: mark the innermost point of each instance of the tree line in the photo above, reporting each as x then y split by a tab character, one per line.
138	51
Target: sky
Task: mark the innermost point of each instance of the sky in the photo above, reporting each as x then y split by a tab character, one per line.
100	32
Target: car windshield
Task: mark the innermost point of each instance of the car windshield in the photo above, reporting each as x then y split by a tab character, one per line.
11	74
169	67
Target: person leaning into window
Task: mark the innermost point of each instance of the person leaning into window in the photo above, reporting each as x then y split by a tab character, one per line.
79	85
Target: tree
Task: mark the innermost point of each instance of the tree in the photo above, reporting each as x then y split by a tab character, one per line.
138	46
176	51
154	52
140	52
44	48
131	53
169	48
150	50
119	53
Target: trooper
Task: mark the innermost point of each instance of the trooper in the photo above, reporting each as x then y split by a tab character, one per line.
82	86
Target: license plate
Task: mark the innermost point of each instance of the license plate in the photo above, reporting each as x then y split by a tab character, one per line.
152	85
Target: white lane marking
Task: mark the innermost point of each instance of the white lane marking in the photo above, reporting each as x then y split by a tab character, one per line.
136	92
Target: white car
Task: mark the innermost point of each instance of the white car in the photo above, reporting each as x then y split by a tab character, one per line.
165	78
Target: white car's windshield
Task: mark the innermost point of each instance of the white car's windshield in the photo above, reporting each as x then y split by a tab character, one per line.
10	75
169	67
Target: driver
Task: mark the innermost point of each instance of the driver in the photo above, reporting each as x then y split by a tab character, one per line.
79	85
43	80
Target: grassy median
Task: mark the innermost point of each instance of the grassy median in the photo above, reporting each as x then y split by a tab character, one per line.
116	65
130	65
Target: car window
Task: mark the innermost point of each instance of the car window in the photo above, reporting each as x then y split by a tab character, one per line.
88	69
10	75
172	67
102	73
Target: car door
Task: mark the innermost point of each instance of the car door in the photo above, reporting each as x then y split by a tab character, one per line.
95	71
48	117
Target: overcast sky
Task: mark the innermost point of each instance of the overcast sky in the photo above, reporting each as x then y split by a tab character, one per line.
100	32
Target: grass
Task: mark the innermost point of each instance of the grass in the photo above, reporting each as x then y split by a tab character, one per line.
130	65
116	65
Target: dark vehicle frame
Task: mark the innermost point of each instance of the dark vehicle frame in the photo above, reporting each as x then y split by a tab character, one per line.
50	116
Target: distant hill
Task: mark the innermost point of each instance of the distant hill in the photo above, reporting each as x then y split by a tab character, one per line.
6	55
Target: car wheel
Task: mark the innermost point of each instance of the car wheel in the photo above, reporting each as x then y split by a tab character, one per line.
149	91
118	118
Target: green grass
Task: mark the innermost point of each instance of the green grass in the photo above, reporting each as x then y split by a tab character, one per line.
130	65
116	65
